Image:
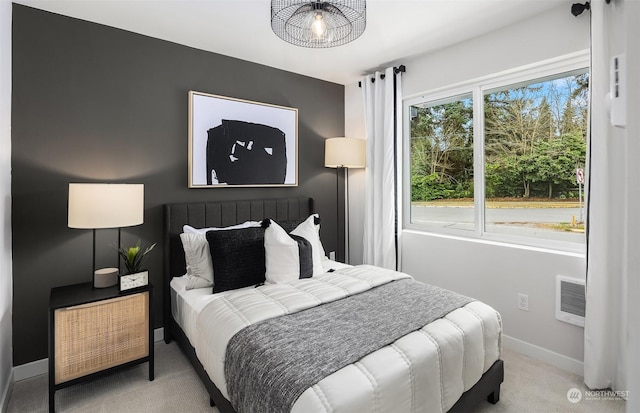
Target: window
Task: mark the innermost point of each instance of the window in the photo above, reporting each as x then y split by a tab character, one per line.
527	185
442	163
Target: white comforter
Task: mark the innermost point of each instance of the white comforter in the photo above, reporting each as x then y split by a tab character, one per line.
425	371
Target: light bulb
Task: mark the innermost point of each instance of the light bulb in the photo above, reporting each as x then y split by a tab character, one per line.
318	27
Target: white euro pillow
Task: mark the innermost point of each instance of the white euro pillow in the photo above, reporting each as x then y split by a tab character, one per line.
198	260
286	258
191	230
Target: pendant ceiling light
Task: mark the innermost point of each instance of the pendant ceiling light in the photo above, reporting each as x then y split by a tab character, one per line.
318	24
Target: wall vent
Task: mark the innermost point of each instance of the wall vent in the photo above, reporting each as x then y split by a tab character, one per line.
570	300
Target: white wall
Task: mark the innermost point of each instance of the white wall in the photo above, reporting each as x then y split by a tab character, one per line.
6	356
548	35
492	272
354	128
495	274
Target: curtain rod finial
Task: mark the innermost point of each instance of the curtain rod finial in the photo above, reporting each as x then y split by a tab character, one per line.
577	8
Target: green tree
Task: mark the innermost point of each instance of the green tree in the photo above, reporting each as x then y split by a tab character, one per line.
514	120
442	150
535	137
555	161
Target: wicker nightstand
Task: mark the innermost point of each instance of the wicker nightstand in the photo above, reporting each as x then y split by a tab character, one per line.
95	331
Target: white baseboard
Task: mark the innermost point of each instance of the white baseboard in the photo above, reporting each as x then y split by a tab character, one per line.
158	334
542	354
39	367
4	400
29	370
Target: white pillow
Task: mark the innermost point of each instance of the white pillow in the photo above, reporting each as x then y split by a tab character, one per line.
247	224
198	256
310	231
286	259
323	254
198	260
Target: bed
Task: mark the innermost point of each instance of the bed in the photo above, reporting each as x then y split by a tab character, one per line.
474	350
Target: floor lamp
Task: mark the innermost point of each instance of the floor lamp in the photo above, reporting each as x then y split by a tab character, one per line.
344	153
100	205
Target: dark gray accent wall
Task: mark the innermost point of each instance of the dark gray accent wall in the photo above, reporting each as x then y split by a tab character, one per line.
96	104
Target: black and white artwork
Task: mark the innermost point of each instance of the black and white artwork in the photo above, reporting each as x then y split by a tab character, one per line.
235	142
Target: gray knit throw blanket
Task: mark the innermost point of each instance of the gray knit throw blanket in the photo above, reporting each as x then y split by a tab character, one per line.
270	364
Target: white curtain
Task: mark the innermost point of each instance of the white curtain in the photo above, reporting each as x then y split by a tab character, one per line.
606	350
380	98
632	16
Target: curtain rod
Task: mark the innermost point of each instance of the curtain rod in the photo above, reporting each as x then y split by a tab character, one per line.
396	70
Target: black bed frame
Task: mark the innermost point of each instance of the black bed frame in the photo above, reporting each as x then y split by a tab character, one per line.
220	214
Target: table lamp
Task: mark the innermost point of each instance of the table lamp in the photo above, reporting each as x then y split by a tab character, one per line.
102	205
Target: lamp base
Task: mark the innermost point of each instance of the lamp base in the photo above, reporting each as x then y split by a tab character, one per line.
105	277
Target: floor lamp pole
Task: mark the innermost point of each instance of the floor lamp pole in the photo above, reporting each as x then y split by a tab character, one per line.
347	230
338	209
347	250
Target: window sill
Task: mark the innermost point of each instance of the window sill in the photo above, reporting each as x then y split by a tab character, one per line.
558	248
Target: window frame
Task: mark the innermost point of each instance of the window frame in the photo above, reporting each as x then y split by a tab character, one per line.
567	64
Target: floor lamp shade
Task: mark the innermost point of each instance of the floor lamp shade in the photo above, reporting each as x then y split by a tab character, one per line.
94	206
344	153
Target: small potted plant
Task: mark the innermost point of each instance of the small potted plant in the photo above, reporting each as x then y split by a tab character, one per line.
132	257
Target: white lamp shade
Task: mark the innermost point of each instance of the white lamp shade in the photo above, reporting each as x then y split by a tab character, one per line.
105	205
344	153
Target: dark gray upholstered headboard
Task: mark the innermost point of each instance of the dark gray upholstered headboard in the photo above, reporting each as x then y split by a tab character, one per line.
219	214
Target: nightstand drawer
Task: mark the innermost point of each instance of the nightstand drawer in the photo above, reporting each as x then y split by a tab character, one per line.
99	335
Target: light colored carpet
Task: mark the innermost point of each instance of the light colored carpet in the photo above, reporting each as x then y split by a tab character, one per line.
530	386
176	388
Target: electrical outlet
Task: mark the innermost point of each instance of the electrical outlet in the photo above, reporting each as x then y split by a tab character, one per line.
332	255
523	302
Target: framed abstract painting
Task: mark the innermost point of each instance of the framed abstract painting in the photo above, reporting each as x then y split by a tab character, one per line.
239	143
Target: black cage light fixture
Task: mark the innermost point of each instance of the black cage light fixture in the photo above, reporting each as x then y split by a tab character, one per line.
318	24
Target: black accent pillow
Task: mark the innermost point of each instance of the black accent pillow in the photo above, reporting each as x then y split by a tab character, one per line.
238	258
305	256
289	225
